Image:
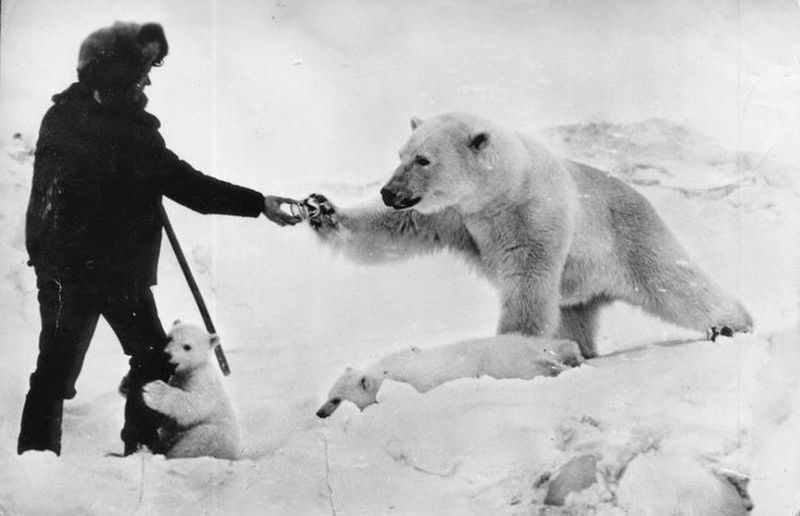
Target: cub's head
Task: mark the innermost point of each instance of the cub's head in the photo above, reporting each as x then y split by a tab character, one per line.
452	160
354	386
189	346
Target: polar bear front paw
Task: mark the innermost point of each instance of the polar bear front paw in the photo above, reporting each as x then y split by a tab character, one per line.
321	213
154	393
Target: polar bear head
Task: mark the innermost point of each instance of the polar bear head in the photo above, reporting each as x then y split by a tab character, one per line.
189	346
355	386
455	160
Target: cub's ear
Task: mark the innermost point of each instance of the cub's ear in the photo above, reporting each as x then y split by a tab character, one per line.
213	340
415	122
176	322
479	141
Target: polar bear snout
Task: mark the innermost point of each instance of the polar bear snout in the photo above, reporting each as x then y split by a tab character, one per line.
170	358
398	198
328	408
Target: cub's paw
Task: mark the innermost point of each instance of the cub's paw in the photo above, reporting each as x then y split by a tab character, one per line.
321	213
154	393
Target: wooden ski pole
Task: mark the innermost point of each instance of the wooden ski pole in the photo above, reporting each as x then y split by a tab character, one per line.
187	273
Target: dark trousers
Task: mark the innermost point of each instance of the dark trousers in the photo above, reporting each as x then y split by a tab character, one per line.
69	313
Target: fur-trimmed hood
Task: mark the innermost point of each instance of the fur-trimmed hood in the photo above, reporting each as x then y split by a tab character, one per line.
120	54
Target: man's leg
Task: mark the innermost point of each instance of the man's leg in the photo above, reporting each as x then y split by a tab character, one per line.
134	318
69	319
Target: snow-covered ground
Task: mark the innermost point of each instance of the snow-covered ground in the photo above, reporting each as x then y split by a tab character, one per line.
662	416
293	320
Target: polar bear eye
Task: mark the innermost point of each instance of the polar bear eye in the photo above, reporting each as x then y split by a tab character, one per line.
422	161
187	347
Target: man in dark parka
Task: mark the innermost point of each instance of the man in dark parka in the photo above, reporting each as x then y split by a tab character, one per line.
93	228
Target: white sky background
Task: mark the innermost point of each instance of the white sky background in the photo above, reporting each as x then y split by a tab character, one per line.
291	92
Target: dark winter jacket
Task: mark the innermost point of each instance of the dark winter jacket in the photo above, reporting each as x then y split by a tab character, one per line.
94	210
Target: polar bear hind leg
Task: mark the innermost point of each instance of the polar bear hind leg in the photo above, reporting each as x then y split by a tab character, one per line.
660	277
689	299
667	284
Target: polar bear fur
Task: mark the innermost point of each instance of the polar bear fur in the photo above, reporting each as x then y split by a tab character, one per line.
558	239
200	417
503	356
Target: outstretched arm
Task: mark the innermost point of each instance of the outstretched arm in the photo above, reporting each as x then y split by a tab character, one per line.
206	194
376	234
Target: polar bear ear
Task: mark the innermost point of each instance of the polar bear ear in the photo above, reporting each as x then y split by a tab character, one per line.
213	340
176	322
415	122
479	141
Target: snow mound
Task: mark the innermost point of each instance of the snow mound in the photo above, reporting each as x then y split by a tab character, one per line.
657	151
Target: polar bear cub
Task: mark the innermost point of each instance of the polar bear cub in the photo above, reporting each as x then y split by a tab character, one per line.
503	356
200	417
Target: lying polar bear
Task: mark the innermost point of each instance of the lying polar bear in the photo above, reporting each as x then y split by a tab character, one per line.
504	356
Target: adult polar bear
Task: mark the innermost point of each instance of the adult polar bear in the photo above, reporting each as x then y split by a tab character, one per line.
558	239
